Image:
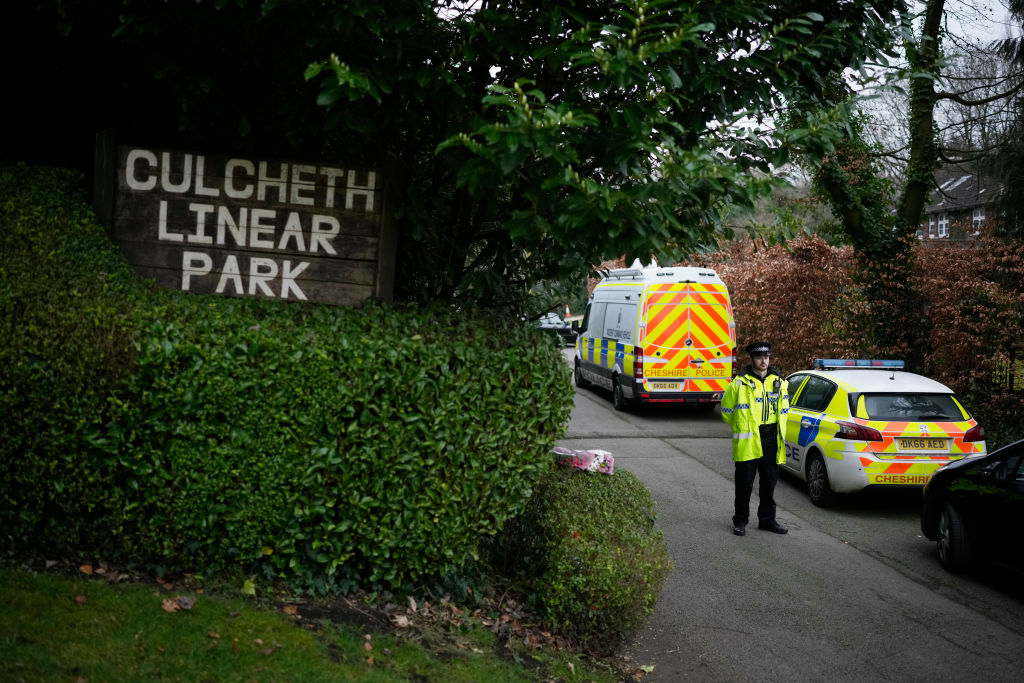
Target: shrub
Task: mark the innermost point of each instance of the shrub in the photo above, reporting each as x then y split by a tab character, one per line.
333	445
326	445
66	300
589	555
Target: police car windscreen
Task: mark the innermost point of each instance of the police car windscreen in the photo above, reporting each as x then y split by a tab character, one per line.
907	406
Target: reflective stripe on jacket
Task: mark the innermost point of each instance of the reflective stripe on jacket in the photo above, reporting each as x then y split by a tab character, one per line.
747	405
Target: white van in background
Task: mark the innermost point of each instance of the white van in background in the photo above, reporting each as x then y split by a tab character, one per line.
658	335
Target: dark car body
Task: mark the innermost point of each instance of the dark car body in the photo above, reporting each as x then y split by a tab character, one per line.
550	322
974	509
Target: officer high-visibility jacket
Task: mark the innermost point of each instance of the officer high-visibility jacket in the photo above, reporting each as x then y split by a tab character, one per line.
750	402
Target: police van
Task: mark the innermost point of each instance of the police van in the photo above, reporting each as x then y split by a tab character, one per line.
658	335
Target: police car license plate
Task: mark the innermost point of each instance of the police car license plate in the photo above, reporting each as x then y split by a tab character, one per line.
920	444
664	386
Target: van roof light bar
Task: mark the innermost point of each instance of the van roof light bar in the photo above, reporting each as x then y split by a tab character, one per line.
624	274
856	363
662	274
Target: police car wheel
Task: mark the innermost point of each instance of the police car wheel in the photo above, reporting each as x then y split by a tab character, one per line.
578	376
618	398
953	543
818	486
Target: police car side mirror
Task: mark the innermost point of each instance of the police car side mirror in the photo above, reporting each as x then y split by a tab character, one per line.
576	327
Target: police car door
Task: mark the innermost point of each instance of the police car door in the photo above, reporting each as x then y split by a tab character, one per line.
811	396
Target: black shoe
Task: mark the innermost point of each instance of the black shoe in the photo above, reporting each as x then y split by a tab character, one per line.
740	529
773	527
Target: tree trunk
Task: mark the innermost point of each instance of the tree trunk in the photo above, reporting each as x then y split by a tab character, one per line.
923	153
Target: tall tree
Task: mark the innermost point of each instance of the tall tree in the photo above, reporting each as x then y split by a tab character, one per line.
525	139
881	213
568	132
1007	162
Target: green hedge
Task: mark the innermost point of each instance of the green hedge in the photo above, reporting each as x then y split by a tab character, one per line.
328	445
588	555
66	334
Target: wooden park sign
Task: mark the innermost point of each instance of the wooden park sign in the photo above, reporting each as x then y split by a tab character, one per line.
240	226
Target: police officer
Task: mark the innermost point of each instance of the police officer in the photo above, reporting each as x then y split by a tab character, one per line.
755	405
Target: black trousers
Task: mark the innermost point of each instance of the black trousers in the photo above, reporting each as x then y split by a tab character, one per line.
766	468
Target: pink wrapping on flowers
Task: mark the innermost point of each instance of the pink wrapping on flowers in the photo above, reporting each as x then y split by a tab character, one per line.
588	461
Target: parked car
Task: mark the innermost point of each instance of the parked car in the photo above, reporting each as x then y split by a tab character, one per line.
974	510
859	423
551	322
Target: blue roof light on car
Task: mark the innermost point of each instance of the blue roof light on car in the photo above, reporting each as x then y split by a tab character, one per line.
858	363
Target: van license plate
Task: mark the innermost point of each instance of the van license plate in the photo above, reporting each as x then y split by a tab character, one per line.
922	444
664	386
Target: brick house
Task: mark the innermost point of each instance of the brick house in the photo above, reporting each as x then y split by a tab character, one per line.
959	205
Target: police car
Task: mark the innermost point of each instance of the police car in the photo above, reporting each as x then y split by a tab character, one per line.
859	423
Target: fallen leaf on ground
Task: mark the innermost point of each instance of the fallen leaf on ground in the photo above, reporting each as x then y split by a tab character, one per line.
290	609
80	599
170	605
86	569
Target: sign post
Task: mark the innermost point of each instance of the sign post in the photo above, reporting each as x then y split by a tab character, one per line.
246	226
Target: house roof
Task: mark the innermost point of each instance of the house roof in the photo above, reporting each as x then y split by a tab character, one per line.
959	189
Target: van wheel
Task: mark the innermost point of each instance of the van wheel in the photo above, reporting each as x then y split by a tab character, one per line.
618	398
818	487
577	374
953	544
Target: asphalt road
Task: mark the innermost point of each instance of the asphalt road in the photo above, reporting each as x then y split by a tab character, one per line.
852	593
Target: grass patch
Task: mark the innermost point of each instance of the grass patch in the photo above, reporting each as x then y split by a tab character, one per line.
56	627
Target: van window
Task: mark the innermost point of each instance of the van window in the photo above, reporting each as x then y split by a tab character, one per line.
620	322
596	322
586	319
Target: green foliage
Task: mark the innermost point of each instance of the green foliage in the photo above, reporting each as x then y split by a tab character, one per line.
658	188
520	141
57	626
326	444
589	554
883	241
66	334
322	445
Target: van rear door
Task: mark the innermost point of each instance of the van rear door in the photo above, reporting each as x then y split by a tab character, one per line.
689	337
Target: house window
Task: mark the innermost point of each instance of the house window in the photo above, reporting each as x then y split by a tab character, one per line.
944	225
978	217
931	226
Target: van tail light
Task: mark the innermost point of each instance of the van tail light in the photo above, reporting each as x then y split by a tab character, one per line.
735	364
856	432
638	363
975	433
